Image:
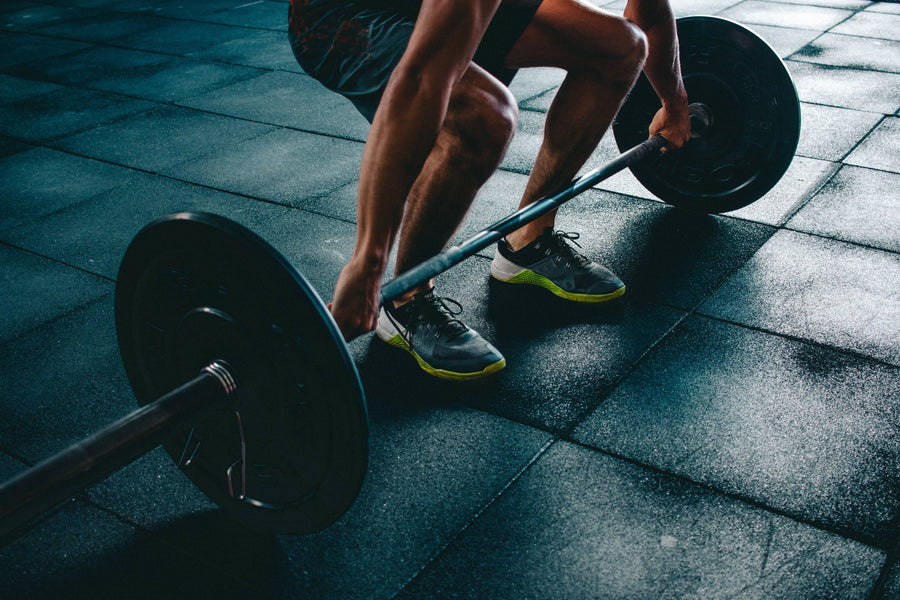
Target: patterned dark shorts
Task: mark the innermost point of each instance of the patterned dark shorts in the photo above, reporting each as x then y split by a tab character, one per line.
352	46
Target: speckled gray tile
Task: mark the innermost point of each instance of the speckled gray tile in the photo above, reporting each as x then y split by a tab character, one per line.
848	88
174	80
430	473
831	292
851	51
71	235
891	588
756	416
830	133
16	89
846	4
82	382
817	18
161	138
529	83
9	147
701	7
880	149
96	62
283	166
37	16
84	552
40	181
526	142
64	112
802	179
316	245
266	15
18	48
182	37
784	40
858	205
287	99
886	6
100	27
597	527
869	24
263	49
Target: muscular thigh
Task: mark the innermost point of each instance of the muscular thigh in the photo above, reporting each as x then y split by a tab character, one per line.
352	47
571	34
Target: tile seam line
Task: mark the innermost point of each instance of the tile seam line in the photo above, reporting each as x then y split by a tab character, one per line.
478	513
105	297
187	182
55	260
847	534
799	339
861	139
85	86
108	11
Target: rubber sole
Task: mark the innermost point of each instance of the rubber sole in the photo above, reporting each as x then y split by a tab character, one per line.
527	277
397	341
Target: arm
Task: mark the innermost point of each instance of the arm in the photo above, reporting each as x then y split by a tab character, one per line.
404	130
662	68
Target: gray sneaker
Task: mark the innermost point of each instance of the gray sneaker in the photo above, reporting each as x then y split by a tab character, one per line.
427	328
551	263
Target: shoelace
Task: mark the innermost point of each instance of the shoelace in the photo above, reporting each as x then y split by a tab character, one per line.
564	249
441	312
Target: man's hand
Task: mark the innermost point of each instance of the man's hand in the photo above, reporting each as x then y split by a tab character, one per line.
357	298
674	124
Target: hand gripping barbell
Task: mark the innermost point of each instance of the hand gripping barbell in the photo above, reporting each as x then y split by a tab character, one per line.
242	374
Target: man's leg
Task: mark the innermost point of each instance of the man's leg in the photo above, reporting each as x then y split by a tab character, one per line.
479	125
603	55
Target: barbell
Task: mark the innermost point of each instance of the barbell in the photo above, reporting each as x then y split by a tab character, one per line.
241	372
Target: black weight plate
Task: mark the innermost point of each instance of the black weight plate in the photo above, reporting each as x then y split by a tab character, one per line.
754	130
290	453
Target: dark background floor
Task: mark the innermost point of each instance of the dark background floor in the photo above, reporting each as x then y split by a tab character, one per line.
728	430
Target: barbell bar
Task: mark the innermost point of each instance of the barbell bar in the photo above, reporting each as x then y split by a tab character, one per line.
274	428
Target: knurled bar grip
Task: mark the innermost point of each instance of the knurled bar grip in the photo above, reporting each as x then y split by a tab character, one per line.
61	476
456	254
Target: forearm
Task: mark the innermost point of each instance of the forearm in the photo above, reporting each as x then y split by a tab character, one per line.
662	66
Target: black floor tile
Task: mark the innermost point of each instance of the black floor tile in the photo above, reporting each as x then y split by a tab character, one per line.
830	292
830	133
72	235
63	381
162	138
40	181
778	14
856	89
94	63
852	52
758	416
583	525
283	166
84	553
858	205
17	48
880	149
64	112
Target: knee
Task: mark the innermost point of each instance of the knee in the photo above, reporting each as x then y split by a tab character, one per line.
634	43
483	120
